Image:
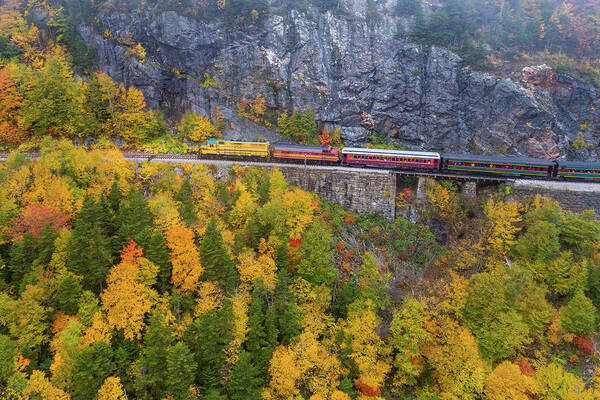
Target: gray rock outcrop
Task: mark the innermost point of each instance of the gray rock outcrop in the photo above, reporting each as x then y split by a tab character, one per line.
355	71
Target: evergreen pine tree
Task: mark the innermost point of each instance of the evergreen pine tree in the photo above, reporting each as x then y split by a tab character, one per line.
208	336
152	380
115	196
96	103
256	319
187	207
106	217
246	379
92	367
261	342
22	255
45	246
69	292
158	252
89	251
287	315
133	217
218	265
180	369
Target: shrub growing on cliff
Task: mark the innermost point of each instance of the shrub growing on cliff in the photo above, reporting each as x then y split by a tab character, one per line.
299	125
197	127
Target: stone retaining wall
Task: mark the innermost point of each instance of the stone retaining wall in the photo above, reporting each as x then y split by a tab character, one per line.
573	201
364	193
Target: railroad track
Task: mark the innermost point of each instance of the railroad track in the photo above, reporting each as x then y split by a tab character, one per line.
193	158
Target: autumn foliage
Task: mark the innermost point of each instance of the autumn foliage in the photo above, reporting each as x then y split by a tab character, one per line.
34	219
237	286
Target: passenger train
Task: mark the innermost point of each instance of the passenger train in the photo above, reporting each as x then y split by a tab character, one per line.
403	160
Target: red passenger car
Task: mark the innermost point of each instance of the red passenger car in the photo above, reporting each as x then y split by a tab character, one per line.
391	158
310	153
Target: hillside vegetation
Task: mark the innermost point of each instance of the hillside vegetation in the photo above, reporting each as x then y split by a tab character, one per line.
190	282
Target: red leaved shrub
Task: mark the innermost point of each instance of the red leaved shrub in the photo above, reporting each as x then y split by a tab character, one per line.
584	345
367	390
526	368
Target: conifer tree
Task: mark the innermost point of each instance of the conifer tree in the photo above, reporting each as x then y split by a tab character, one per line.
91	368
69	292
134	216
180	370
115	196
22	255
97	94
288	316
208	337
151	382
246	379
261	341
187	207
158	252
251	371
89	251
218	265
45	246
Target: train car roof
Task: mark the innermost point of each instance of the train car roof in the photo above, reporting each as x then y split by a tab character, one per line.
214	141
578	164
496	158
299	147
392	153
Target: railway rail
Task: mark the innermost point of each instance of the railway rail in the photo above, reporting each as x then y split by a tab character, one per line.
193	158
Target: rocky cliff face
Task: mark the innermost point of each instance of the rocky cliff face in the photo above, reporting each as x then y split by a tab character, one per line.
354	70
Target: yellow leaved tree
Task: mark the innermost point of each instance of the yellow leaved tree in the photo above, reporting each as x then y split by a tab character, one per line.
185	258
300	207
306	364
129	294
244	207
458	369
262	266
370	353
210	297
503	218
111	389
508	382
39	387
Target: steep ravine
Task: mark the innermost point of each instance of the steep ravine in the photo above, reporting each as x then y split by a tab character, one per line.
348	68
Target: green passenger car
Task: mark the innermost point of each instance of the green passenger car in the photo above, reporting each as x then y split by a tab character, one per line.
502	165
